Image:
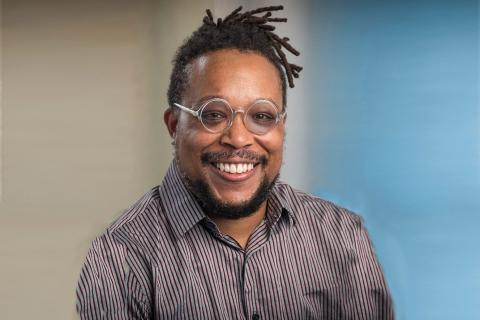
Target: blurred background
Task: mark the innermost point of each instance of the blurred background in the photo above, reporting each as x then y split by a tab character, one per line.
385	120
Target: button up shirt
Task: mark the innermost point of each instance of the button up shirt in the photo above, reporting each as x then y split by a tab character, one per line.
165	259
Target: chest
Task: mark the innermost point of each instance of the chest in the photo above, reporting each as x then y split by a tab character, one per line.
204	278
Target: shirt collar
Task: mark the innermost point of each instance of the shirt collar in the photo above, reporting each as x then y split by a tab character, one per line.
280	203
184	212
181	208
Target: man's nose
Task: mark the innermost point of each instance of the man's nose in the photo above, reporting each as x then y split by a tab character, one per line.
237	136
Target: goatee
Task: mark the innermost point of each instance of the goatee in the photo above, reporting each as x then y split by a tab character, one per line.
211	205
216	207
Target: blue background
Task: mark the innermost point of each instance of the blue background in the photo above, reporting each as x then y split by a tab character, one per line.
396	138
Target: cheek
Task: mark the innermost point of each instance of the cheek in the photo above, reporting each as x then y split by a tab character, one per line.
273	144
192	141
186	124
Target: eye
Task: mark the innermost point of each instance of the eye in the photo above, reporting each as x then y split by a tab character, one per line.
213	116
215	112
263	117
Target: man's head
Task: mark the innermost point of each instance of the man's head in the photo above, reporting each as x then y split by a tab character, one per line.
236	62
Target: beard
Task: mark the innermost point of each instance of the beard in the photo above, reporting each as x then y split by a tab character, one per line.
211	205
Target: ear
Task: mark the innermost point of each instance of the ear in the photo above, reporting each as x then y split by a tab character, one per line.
171	120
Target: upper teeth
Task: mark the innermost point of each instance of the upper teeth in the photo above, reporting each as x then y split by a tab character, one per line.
235	167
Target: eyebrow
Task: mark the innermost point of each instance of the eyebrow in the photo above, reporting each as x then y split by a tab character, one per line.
204	99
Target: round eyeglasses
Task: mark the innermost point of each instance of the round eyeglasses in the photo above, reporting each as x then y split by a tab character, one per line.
216	115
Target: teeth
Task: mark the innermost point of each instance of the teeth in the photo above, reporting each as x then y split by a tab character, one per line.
240	168
235	167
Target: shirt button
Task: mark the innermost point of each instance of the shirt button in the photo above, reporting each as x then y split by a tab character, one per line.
255	316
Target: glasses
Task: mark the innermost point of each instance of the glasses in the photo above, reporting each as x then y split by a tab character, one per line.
216	115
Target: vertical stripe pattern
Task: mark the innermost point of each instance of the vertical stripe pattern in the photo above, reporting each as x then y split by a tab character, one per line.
164	259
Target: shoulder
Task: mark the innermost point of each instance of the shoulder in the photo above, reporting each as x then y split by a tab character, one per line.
320	220
143	214
127	229
131	233
306	206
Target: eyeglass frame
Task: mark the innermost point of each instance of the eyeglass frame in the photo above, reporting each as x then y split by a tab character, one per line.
198	112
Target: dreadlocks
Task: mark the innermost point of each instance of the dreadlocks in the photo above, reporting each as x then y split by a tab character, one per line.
243	31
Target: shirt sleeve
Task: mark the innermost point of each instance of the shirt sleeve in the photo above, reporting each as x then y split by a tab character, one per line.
108	288
369	294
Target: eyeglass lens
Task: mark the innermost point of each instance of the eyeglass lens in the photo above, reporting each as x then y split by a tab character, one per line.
259	118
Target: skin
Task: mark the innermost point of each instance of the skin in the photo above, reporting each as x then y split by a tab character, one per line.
240	78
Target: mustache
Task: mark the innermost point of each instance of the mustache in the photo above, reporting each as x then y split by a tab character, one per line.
208	157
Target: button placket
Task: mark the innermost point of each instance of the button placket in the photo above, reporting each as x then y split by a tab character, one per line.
249	288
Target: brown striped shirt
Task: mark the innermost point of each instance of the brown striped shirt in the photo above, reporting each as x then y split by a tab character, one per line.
164	259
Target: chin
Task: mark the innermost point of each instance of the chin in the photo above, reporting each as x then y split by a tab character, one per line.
235	198
237	206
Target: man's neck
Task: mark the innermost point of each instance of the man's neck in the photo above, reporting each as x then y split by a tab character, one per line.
241	229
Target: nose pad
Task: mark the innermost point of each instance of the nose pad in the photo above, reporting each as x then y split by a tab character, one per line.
237	135
241	116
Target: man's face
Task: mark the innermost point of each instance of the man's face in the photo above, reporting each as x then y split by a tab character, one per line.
240	78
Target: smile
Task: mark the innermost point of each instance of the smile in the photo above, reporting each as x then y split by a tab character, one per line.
234	167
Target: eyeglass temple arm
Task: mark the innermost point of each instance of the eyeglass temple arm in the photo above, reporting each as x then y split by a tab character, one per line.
192	112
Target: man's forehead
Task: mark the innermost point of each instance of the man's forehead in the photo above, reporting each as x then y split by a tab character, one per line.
199	63
243	72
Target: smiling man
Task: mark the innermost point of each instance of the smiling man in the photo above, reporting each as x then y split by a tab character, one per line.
221	237
230	163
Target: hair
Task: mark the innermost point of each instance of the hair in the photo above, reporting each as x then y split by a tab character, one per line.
242	31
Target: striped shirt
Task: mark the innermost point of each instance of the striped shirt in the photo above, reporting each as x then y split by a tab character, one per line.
164	259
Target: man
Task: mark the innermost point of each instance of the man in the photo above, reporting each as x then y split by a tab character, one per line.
221	238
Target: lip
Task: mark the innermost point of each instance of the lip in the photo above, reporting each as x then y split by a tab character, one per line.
234	177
